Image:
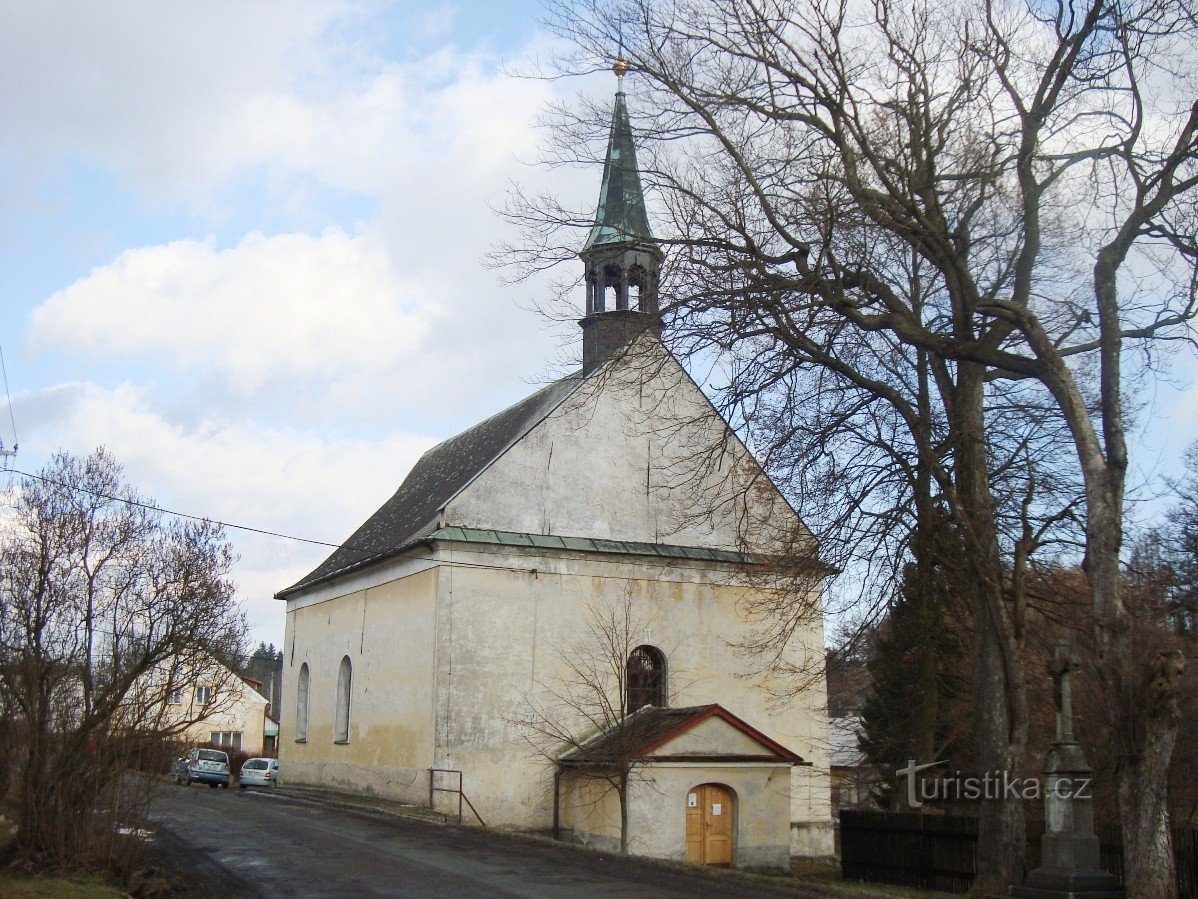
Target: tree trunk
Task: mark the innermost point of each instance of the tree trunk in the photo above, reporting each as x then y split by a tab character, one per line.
623	791
1142	696
927	711
1147	722
1001	724
1143	692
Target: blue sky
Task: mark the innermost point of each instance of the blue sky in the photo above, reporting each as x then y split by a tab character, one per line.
241	245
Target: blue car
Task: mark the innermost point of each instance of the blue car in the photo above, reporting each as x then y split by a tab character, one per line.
206	766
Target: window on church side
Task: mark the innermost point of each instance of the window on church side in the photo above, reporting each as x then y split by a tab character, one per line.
344	689
646	678
301	705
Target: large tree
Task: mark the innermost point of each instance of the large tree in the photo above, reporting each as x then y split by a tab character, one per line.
1040	162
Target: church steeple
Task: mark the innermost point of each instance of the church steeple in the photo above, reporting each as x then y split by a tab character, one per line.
621	257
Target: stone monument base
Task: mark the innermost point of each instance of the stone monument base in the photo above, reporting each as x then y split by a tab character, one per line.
1068	883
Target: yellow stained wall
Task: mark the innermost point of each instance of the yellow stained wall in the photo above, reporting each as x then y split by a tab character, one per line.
387	631
505	619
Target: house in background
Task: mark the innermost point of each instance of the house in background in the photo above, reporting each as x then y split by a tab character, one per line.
270	737
424	643
265	666
229	710
854	778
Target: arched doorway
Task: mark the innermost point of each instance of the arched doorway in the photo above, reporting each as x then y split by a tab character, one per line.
710	813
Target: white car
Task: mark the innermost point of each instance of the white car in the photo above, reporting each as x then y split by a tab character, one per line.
258	773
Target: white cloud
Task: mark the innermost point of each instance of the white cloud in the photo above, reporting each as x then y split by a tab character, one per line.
400	306
182	97
142	86
239	372
272	478
267	311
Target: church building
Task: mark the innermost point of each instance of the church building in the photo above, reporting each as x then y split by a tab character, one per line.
439	646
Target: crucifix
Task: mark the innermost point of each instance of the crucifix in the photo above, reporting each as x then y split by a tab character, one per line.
1064	660
1070	857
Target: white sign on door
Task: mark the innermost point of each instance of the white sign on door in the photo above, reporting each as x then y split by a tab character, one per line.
717	809
692	801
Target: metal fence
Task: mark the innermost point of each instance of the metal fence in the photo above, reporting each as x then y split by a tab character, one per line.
939	852
933	852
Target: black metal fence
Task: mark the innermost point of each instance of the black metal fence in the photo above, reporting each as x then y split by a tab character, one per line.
939	852
933	852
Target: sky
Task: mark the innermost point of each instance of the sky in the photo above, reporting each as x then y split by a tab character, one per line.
242	247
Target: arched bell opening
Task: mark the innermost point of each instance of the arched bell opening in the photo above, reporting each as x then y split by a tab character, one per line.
640	289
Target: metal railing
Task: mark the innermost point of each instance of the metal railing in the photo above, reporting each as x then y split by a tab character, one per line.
433	789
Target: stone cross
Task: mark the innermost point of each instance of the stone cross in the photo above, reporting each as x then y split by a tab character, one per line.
1070	858
1064	660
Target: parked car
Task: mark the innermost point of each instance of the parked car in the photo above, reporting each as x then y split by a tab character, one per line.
258	773
208	766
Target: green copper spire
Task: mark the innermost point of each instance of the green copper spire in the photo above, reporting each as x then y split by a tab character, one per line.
621	214
622	260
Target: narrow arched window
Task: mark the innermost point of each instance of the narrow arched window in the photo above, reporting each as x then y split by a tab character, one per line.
646	678
345	678
301	705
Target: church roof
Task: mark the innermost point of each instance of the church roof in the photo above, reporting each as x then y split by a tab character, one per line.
437	478
620	217
651	728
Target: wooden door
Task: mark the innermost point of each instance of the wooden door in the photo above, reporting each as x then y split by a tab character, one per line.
709	825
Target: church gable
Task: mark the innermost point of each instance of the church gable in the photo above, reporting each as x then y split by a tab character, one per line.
662	734
711	736
637	453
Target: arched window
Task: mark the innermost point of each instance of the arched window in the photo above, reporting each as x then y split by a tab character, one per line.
646	678
301	705
344	687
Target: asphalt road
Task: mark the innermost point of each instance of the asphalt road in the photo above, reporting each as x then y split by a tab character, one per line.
236	843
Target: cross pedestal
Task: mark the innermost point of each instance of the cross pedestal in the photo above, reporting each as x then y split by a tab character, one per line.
1070	866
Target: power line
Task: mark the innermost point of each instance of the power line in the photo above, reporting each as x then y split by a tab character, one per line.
132	502
365	553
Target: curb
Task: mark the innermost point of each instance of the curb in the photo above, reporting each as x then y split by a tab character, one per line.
345	801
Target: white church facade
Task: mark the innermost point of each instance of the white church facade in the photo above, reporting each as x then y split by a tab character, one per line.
440	633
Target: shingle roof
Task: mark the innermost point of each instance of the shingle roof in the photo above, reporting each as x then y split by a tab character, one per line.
844	742
650	728
439	475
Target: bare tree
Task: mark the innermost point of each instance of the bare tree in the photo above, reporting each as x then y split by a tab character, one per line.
1041	161
595	693
108	608
857	433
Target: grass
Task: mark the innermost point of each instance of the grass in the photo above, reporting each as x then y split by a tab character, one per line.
21	886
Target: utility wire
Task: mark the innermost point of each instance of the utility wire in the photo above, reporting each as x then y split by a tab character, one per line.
132	502
365	553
